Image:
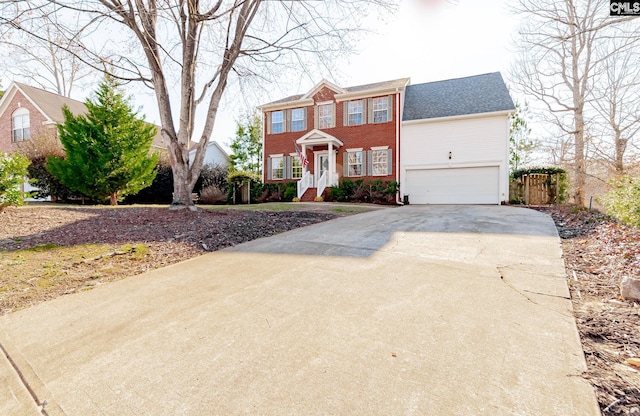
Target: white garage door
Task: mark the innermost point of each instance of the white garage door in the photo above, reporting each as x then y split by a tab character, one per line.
454	186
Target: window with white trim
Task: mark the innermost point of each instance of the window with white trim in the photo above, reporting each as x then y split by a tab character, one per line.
355	163
325	116
277	122
296	167
355	112
20	125
277	167
298	119
381	110
379	162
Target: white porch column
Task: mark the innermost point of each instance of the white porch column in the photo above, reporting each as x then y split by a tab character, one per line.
332	165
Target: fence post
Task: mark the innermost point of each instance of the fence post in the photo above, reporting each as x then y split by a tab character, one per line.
526	189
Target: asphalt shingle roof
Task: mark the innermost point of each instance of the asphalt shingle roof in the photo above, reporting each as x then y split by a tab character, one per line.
454	97
358	88
51	104
401	82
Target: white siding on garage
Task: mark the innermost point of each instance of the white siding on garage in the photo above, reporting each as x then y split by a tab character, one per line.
471	142
454	185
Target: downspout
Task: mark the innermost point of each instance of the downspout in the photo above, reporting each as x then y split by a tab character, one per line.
398	122
264	154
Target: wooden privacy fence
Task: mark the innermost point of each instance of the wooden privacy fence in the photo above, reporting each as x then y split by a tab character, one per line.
535	189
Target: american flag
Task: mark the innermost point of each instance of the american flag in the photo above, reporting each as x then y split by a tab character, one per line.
303	158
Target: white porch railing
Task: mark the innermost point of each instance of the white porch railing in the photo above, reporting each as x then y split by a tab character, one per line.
304	183
322	183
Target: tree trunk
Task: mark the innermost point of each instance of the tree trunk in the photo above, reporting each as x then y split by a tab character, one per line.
621	147
113	199
579	166
181	181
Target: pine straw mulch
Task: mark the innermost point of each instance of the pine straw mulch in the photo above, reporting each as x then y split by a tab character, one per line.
598	253
47	252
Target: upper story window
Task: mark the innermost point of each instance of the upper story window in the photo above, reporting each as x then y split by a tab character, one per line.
381	110
298	119
277	122
325	116
355	113
21	125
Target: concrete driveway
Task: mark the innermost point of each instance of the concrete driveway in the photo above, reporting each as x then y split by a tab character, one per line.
419	310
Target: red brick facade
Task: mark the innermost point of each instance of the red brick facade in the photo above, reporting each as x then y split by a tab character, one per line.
365	136
36	120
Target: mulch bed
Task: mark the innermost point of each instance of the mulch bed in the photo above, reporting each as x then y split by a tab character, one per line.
203	230
47	252
598	253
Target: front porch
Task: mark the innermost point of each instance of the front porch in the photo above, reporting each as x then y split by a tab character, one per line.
323	172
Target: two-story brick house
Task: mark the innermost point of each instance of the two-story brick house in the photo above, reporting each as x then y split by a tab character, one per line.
444	142
342	132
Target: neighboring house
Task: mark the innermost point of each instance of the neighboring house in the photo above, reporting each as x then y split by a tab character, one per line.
214	154
444	142
27	112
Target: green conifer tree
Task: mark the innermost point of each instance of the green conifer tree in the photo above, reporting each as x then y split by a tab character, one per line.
107	150
246	147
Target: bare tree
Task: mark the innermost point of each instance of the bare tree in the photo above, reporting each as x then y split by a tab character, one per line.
44	63
48	61
617	104
189	50
558	41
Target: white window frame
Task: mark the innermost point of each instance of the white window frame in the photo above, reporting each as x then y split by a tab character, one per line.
380	107
353	162
294	120
280	122
277	168
325	121
296	165
379	161
20	125
351	111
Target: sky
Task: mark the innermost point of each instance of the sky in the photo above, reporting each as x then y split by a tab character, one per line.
426	40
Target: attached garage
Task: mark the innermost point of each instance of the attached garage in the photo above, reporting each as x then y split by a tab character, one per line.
471	185
454	147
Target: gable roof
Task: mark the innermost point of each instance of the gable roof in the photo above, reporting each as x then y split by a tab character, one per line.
477	94
323	84
50	105
212	143
341	93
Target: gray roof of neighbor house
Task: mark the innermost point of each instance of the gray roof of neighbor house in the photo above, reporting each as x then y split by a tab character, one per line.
454	97
51	105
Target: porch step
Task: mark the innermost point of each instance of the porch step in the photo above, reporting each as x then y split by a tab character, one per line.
309	195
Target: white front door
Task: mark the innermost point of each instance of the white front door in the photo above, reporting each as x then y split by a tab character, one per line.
321	165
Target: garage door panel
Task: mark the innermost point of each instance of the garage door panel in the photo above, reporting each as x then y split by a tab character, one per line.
454	185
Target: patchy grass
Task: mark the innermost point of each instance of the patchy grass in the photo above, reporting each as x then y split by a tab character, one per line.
42	247
34	274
